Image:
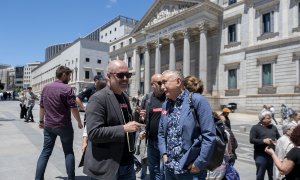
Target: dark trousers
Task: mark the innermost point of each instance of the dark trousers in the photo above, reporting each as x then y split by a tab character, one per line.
23	111
66	135
154	161
29	113
185	176
125	172
263	162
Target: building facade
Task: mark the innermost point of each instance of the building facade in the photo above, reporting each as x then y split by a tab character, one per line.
84	57
27	73
246	51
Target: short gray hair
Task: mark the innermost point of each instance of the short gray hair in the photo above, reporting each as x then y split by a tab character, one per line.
263	114
177	73
286	127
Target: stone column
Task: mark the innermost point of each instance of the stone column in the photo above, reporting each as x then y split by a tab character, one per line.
186	54
147	70
172	60
125	58
203	55
136	56
157	58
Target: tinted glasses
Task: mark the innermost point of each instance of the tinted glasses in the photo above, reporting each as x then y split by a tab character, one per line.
122	74
158	82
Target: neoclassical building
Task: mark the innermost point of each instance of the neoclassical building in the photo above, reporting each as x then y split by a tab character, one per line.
245	51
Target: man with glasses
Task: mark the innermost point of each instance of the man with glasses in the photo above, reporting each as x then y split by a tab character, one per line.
177	130
111	129
151	112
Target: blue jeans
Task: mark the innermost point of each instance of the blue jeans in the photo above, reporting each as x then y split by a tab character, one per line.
263	163
66	135
185	176
154	161
29	113
124	173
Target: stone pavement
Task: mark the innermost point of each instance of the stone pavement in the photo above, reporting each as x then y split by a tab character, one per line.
21	144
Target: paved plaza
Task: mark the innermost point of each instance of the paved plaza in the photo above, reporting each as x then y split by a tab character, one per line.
21	145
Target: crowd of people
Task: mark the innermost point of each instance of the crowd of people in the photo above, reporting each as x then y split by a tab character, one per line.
7	95
164	128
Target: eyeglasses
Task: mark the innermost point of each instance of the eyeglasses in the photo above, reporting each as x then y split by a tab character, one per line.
158	82
122	74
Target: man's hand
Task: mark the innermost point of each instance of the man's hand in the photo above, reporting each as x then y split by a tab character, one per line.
84	143
193	168
268	141
133	126
41	125
142	135
80	126
165	158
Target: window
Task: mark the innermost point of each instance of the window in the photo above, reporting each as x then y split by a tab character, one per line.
129	62
121	44
109	32
232	79
105	34
232	33
99	61
87	74
142	87
267	75
115	29
101	36
231	2
130	41
267	22
142	59
114	48
99	74
87	59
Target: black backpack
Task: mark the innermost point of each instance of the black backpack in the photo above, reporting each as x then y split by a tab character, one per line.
220	143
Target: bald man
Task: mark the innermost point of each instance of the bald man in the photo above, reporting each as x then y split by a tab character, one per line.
111	128
151	104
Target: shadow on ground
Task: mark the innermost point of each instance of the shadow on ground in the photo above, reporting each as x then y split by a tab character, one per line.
76	178
2	119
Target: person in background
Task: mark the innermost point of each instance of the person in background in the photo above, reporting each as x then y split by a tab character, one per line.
290	166
22	100
272	109
152	108
262	135
193	84
99	83
225	113
56	105
30	99
283	146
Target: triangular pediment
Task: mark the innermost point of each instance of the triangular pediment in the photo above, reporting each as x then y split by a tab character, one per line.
162	10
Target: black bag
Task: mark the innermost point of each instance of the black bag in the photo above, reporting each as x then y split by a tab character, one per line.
219	147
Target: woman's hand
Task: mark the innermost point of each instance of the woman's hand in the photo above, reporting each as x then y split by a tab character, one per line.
269	150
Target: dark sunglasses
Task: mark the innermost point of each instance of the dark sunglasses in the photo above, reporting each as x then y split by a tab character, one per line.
121	75
158	82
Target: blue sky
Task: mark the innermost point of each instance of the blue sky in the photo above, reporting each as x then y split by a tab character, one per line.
27	27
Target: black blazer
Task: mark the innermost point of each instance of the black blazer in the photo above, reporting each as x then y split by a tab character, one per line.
104	122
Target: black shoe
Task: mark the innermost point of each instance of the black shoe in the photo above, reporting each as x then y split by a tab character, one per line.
25	120
31	120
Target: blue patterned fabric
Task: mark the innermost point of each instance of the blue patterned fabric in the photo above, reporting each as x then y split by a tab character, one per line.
174	135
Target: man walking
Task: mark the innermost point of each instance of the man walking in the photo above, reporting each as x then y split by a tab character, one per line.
57	99
152	104
177	130
30	99
111	129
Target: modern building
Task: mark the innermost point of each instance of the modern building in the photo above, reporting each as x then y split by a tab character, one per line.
4	69
27	73
85	57
246	51
19	77
53	50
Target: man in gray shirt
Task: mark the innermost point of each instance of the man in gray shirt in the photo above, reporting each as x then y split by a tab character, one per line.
30	98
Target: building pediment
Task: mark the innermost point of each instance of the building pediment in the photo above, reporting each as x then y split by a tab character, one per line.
162	10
